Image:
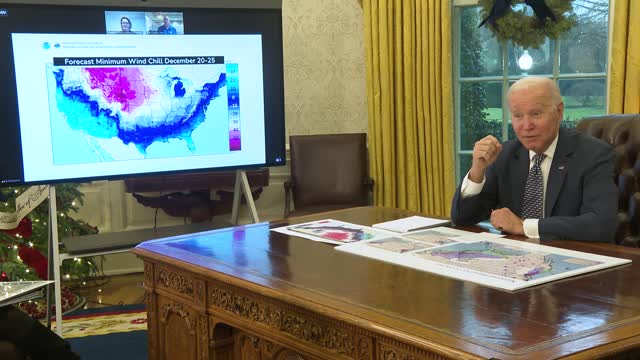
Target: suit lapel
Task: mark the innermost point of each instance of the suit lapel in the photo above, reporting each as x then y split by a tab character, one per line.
558	170
519	177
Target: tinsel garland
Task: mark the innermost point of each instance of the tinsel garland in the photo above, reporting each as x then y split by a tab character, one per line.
527	31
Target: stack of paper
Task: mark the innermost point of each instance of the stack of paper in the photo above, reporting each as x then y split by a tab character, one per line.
411	223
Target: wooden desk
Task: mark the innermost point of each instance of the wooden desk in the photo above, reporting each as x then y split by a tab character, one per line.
248	293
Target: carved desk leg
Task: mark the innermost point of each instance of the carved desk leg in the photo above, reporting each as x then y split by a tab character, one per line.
182	325
151	304
177	330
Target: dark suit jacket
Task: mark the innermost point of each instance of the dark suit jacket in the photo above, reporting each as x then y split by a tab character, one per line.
581	200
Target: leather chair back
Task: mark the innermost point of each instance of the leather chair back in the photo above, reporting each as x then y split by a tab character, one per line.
328	172
623	133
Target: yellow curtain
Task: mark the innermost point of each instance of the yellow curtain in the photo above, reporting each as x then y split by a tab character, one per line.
408	59
624	78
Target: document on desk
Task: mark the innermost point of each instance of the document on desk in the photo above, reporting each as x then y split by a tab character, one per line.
482	258
333	231
410	223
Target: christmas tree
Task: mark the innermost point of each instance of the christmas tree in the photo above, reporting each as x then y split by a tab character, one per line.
23	250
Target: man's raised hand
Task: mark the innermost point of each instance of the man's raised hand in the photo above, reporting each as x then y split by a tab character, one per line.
485	152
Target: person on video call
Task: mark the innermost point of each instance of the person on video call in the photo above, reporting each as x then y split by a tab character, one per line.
549	183
125	24
23	337
166	28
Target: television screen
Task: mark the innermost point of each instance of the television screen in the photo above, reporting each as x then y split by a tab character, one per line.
103	92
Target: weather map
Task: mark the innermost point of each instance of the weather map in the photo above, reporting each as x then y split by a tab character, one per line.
98	106
398	245
503	260
481	258
339	232
112	113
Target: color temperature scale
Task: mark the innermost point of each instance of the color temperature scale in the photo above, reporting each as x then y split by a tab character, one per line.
233	98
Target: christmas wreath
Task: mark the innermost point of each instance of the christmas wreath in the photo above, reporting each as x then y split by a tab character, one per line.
550	19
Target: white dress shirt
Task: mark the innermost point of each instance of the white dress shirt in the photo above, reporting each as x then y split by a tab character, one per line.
470	188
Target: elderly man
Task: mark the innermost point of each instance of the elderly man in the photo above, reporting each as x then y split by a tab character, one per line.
166	28
550	183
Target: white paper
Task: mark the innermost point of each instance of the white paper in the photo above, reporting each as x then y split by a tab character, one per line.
410	224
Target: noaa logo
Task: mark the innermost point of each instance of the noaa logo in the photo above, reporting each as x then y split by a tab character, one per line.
4	12
46	45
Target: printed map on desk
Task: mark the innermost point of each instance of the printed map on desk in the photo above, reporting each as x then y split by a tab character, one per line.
334	231
441	235
495	262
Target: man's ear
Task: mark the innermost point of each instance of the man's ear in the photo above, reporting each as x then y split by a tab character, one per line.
560	110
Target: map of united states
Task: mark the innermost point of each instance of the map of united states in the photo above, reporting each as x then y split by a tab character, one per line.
115	108
498	259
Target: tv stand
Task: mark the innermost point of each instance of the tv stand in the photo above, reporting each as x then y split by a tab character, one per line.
242	184
54	263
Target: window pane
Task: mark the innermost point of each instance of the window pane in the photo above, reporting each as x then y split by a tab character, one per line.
465	165
479	50
531	61
480	112
584	48
582	98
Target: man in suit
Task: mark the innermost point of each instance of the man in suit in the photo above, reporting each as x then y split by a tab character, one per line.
549	183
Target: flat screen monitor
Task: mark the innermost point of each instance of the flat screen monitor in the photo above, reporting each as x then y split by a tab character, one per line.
107	92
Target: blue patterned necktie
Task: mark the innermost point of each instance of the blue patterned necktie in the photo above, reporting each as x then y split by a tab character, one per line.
532	200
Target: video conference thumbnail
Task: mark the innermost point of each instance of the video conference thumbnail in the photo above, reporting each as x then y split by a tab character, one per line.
144	23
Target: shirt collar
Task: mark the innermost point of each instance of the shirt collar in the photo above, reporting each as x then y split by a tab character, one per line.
550	150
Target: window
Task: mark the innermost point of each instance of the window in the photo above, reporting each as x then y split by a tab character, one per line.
484	69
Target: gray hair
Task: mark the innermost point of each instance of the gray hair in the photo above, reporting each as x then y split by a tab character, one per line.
533	81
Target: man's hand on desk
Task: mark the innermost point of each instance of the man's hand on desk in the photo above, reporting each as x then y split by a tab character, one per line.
505	220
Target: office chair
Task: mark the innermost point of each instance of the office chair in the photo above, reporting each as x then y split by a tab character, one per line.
623	133
328	172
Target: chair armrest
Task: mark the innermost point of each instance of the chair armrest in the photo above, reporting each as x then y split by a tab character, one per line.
288	185
368	182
